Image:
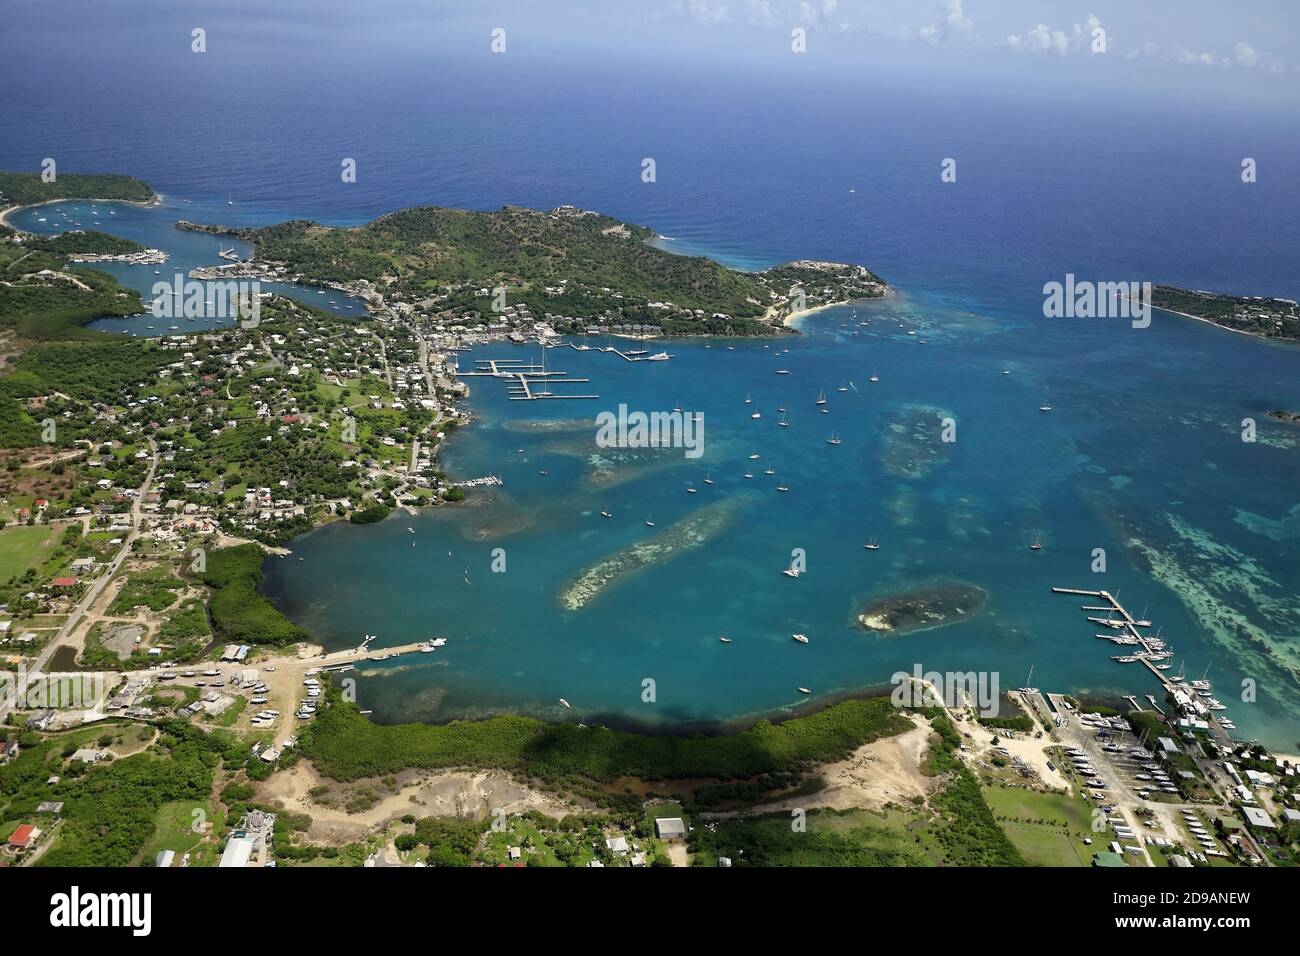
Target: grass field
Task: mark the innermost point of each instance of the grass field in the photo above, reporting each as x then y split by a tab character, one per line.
850	838
1047	828
175	830
23	547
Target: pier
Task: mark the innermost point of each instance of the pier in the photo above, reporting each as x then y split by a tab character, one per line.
1127	631
521	376
637	355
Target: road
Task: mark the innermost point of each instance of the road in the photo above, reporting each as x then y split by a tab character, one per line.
97	587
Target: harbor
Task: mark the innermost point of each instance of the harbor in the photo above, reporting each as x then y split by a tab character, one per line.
1197	707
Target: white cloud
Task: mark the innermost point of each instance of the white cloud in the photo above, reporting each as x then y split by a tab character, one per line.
819	13
954	22
701	11
1245	53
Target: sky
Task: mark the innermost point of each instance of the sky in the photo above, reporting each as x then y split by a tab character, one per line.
1189	52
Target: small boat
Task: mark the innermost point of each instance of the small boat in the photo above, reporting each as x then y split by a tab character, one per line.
1036	546
753	456
1045	408
708	480
649	523
782	487
801	638
769	471
821	397
756	415
725	640
783	423
874	378
804	690
872	545
833	440
606	514
783	371
791	572
690	491
565	702
749	474
843	387
747	401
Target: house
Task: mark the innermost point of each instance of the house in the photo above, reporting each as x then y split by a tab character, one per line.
515	852
616	844
41	720
1108	858
89	755
64	583
164	858
1290	815
1258	819
8	750
1179	860
237	853
23	837
670	828
50	806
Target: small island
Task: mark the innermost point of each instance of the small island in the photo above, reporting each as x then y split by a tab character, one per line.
922	609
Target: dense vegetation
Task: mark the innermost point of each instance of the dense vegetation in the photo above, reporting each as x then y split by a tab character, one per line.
346	746
970	834
21	189
431	247
239	614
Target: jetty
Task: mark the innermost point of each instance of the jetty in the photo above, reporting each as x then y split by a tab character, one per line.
522	377
1128	631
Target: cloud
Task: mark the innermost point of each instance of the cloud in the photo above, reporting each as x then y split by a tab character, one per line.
954	22
1245	53
1043	40
818	13
701	11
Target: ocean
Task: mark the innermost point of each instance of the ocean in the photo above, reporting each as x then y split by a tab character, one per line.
1141	455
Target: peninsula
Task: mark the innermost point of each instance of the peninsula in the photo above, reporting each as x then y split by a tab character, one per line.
572	269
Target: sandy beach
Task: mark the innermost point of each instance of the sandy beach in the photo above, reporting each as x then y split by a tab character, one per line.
6	213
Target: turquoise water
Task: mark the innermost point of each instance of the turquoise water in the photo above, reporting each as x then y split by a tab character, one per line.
1141	456
155	227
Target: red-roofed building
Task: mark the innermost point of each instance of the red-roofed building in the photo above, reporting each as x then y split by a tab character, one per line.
41	502
24	836
289	419
64	582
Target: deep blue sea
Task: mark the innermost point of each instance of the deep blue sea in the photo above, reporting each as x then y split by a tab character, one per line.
1141	455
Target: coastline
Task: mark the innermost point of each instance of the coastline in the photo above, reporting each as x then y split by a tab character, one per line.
790	320
155	200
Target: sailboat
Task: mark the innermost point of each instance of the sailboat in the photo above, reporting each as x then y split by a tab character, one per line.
1037	545
769	471
791	571
874	378
747	399
872	545
707	479
230	201
821	397
801	638
834	439
1045	407
725	640
649	522
783	423
844	386
606	514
